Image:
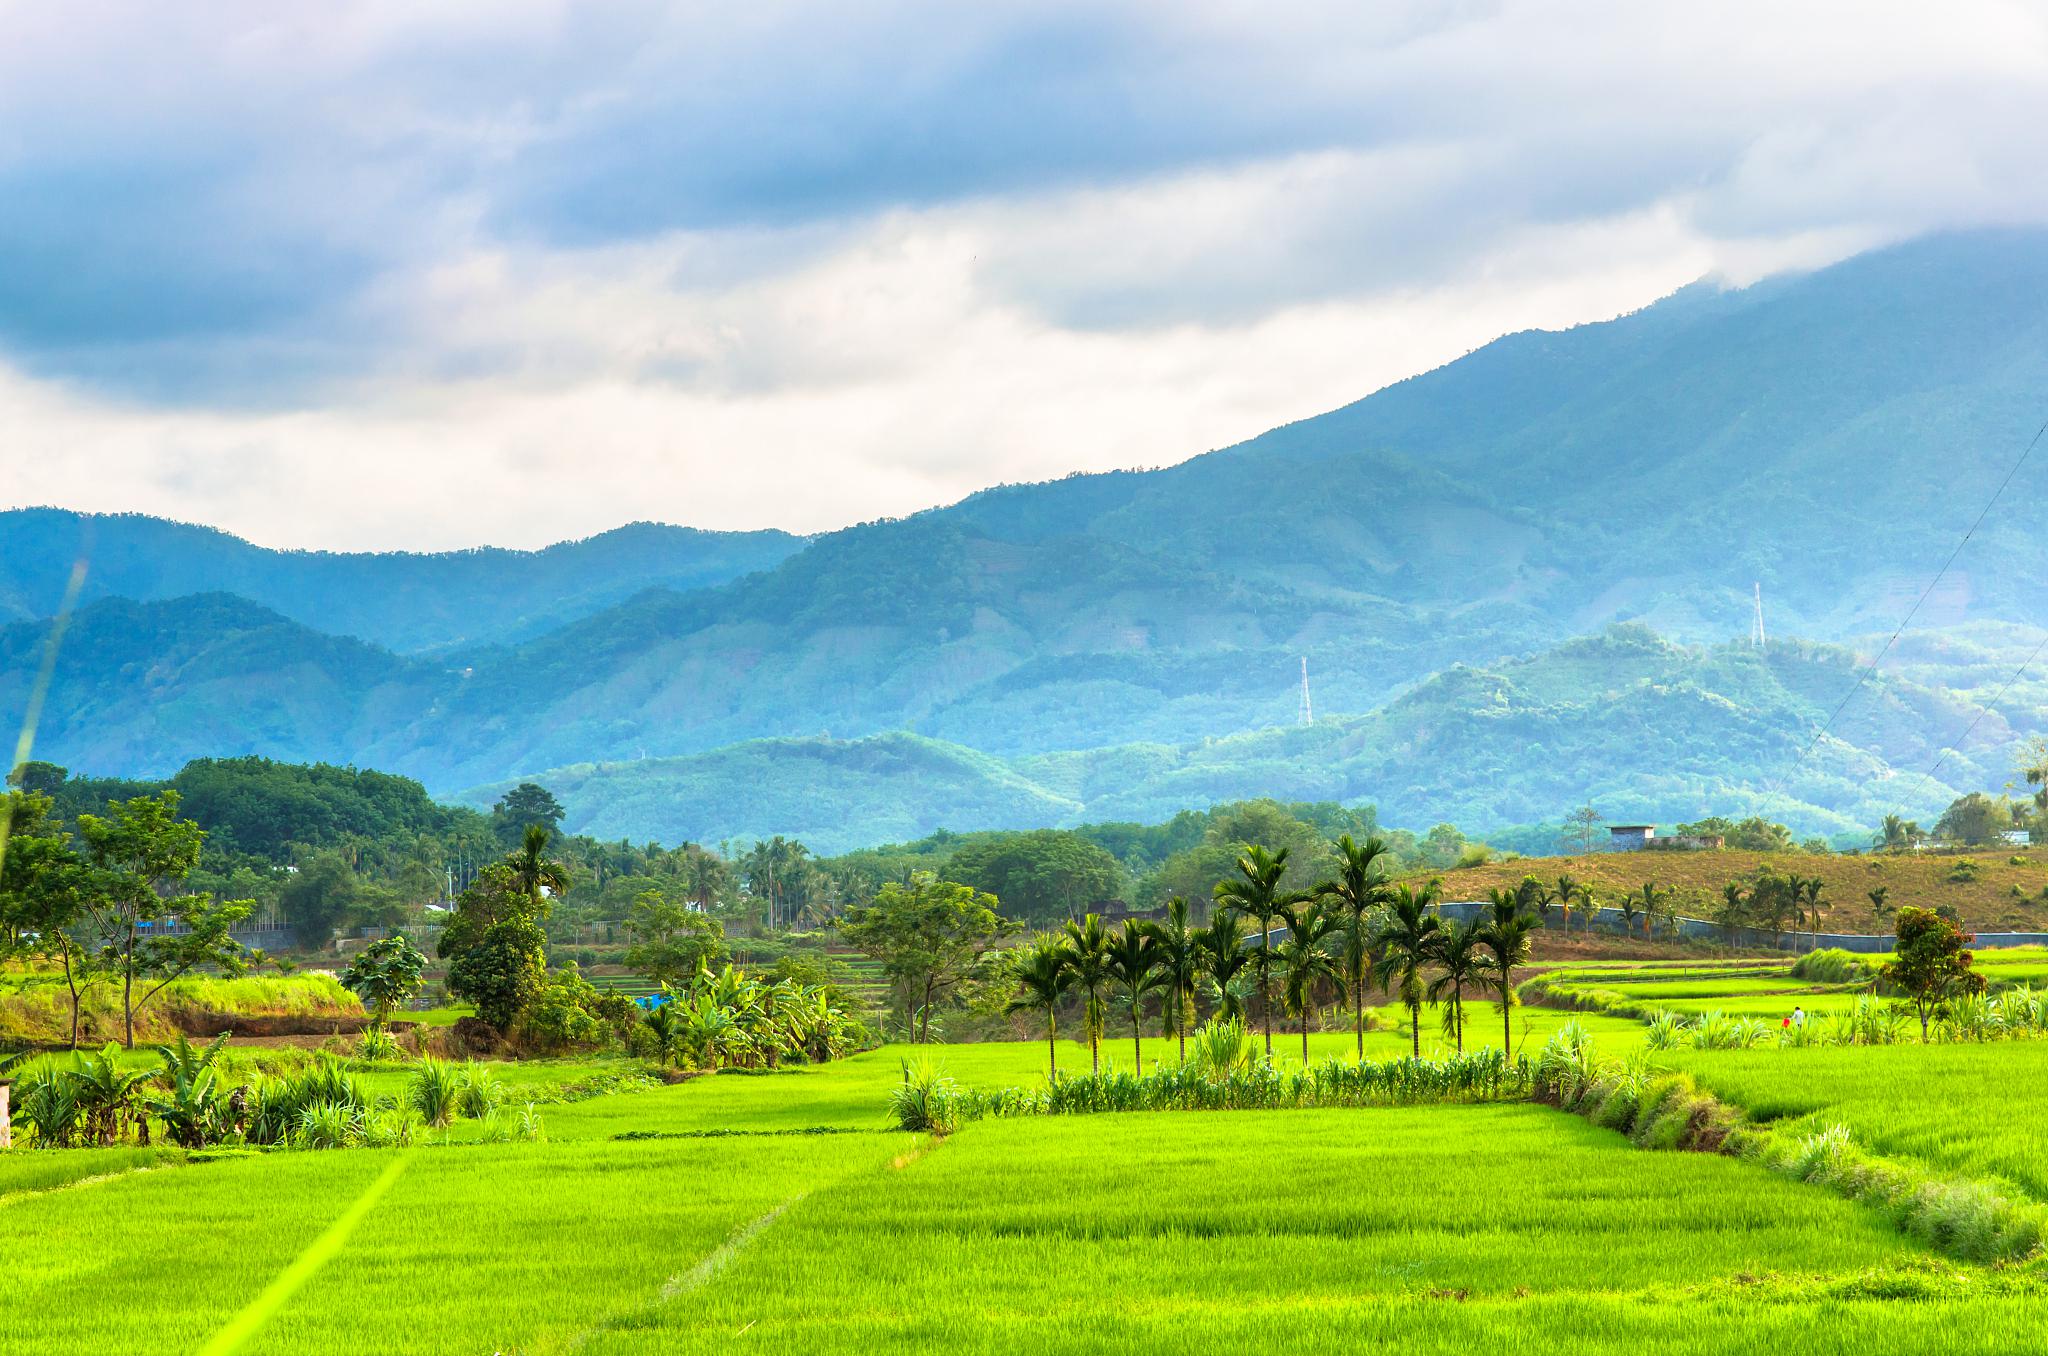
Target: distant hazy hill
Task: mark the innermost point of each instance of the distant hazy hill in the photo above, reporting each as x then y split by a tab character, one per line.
1134	640
835	795
1642	727
400	600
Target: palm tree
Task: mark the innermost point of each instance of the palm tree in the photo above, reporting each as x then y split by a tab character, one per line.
1224	956
1043	977
536	874
1458	957
1088	957
664	1030
1571	892
1178	957
1655	903
1879	908
1505	933
1405	940
1359	889
1811	887
1733	904
1131	961
1304	963
1256	893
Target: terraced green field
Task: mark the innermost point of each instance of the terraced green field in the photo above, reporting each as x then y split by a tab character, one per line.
1973	1110
782	1212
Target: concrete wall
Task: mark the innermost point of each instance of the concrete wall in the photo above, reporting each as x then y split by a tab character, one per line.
1611	920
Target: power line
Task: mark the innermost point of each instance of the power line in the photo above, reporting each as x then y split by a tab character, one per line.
1913	612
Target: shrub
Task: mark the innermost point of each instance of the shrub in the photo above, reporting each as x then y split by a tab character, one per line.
926	1100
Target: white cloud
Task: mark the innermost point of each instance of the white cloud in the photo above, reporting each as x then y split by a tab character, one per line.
404	277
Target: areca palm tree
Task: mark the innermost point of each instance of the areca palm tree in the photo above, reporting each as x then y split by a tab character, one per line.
1505	934
1255	893
1360	887
1088	957
1655	902
1304	962
1131	961
1177	950
1043	977
1223	957
1459	957
1572	893
665	1029
1405	940
537	874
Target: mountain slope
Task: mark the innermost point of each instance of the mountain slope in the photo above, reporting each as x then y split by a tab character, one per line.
1829	435
1639	726
401	600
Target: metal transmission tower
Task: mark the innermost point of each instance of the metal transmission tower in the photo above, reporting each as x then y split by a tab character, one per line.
1756	627
1308	712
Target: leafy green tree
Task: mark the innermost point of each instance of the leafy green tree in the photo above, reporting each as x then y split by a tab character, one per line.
44	888
142	851
385	975
1931	962
1975	820
524	806
1255	892
1088	957
1130	960
672	940
930	935
321	898
1043	977
1358	891
495	946
1505	932
1042	876
1404	941
1178	955
1305	962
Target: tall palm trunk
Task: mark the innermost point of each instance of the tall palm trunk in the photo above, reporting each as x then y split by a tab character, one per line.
1304	1036
1266	980
1052	1039
1507	1027
1137	1040
1358	1009
1415	1026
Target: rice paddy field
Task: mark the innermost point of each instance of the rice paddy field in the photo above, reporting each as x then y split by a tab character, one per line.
785	1212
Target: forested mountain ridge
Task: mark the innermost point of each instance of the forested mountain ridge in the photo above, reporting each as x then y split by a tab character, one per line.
405	601
1829	435
1641	726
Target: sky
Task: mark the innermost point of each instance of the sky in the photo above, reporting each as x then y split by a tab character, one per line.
391	275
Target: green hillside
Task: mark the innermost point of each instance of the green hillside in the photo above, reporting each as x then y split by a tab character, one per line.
1640	726
834	795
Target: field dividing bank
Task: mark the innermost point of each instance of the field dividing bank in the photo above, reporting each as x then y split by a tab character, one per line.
473	1249
1441	1229
1958	1110
851	1093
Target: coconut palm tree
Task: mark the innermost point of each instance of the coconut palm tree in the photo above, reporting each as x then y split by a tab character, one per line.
1505	933
1255	893
1177	951
1360	888
1734	905
1459	957
1304	962
1404	941
1088	957
1043	977
1223	957
1132	962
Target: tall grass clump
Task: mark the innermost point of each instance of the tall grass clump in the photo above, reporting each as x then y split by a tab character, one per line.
433	1092
1832	965
927	1099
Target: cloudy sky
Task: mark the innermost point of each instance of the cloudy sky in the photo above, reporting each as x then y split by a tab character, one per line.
404	275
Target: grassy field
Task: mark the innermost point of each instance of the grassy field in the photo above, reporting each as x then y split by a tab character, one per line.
1970	1110
1987	902
784	1212
1506	1228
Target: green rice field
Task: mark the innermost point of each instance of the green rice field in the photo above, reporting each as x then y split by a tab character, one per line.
785	1212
